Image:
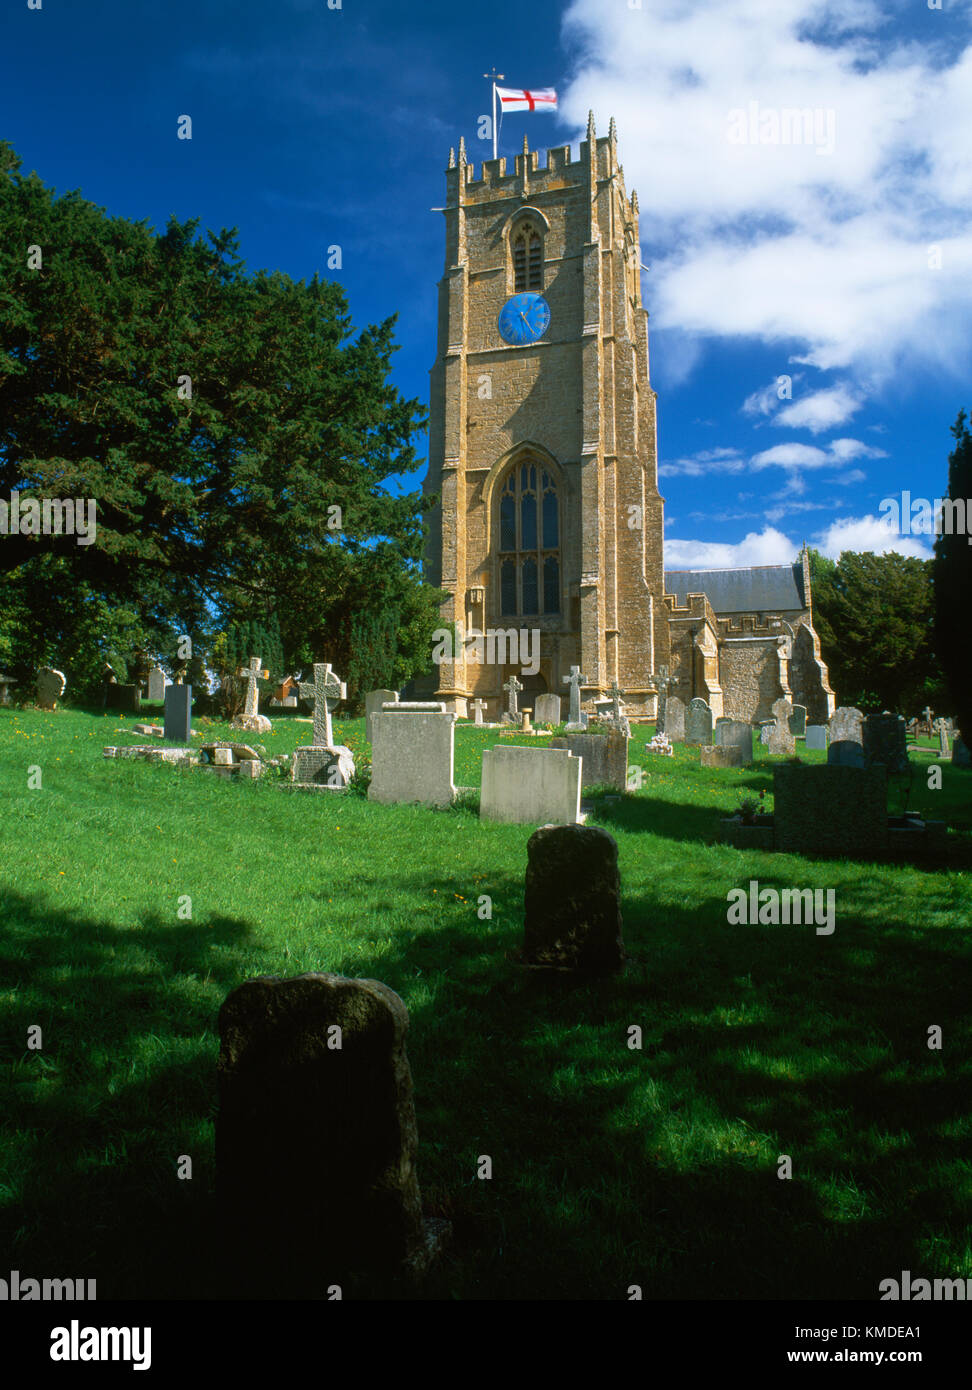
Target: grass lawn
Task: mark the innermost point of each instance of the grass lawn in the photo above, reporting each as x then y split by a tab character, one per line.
611	1166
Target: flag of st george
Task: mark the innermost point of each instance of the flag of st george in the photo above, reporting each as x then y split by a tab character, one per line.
539	99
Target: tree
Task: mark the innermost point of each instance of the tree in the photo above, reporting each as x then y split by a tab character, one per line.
874	616
233	430
953	584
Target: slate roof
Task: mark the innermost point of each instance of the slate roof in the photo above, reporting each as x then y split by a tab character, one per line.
762	589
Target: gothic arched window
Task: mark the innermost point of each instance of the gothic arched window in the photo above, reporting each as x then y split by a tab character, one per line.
527	258
529	542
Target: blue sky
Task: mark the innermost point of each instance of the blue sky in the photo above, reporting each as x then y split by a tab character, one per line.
842	259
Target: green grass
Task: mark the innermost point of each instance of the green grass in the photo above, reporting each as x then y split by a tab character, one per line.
611	1166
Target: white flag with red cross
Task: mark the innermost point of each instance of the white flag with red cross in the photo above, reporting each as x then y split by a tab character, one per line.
537	99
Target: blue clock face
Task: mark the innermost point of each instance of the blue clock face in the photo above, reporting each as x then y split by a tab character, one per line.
524	318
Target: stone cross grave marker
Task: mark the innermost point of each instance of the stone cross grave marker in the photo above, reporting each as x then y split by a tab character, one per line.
326	691
51	685
251	675
479	709
513	687
575	680
616	693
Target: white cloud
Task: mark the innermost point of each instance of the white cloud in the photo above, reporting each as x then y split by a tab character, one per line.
871	533
768	547
821	410
827	253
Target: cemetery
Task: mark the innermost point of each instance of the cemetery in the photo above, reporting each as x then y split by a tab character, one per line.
422	892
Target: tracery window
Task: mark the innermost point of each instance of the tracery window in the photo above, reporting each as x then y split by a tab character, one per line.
527	258
529	542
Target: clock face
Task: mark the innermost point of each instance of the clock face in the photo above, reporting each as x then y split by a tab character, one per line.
524	318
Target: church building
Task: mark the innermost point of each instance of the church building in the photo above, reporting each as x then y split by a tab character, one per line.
542	452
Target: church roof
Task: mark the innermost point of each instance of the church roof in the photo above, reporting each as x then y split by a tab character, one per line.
761	589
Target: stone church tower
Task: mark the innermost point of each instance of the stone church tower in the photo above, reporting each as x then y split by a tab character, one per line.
542	432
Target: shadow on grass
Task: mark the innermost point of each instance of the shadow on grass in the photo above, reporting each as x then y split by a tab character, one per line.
612	1166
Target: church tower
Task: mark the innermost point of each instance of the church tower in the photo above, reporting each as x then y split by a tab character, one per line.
542	431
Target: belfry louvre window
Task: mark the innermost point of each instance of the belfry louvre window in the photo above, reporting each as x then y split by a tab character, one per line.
527	259
529	542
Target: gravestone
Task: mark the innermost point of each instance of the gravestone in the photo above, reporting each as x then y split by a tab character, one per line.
960	754
413	755
830	809
604	757
846	725
321	764
51	685
817	737
530	786
735	733
943	749
127	699
5	683
698	723
798	721
573	900
525	726
478	708
156	685
316	1107
373	703
782	710
576	721
781	743
885	741
546	709
251	719
177	726
845	753
674	720
728	755
764	732
513	688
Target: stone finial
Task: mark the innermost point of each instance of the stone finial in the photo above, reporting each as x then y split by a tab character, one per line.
526	147
591	132
452	157
612	132
634	200
462	150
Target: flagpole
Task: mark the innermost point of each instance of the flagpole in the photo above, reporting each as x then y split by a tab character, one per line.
493	76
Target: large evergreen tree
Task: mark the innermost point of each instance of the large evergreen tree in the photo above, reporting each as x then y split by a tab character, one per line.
953	585
234	431
874	615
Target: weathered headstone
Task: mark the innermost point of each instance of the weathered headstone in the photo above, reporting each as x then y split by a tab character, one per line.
546	709
573	900
5	683
698	723
943	748
960	754
322	764
177	726
316	1107
251	719
513	688
798	721
674	719
764	732
727	755
576	721
846	725
413	755
530	786
51	685
821	809
373	703
156	685
817	737
127	699
781	743
479	709
782	710
735	733
604	757
885	741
